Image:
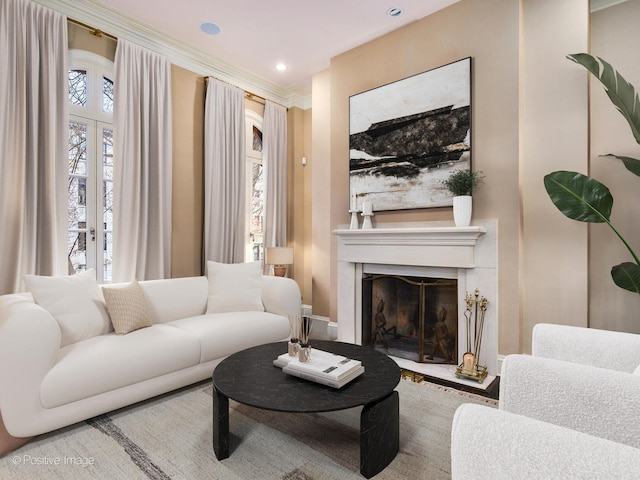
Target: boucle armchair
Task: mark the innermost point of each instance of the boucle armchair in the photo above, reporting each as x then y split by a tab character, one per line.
571	410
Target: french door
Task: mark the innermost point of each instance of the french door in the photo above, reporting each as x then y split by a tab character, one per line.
90	190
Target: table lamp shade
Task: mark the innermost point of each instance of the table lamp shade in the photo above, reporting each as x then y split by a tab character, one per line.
279	256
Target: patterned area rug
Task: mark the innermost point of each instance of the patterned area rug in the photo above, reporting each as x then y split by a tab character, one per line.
170	437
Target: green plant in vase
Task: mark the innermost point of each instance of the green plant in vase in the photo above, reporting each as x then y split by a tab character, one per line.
585	199
460	184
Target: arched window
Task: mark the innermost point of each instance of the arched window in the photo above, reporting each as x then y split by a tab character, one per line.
255	187
90	187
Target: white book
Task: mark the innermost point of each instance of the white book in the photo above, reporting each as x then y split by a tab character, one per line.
333	367
318	358
323	380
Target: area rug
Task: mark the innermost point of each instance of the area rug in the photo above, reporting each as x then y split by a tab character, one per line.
170	437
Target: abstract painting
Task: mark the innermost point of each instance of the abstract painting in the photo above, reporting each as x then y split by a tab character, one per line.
407	136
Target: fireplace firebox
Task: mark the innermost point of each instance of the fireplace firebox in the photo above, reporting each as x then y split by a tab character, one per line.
415	318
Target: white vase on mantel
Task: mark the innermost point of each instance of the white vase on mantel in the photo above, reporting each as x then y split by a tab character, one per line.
462	207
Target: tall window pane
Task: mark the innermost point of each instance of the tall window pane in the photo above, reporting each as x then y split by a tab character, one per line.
257	211
77	195
107	191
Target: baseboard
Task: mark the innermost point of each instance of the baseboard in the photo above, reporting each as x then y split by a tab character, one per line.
499	363
323	328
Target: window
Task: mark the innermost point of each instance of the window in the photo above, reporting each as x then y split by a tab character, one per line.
255	187
90	186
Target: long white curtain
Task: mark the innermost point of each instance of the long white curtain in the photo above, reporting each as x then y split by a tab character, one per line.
274	157
33	142
224	174
143	165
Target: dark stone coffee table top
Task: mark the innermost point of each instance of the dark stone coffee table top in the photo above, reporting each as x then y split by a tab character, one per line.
250	377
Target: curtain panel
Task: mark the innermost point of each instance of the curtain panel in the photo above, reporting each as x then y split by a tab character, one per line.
143	166
274	158
224	174
33	142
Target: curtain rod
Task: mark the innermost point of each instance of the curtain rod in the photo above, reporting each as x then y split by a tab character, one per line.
94	31
99	33
249	95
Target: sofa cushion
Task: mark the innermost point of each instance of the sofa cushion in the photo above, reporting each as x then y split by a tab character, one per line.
127	307
234	287
108	362
175	298
222	334
76	302
637	370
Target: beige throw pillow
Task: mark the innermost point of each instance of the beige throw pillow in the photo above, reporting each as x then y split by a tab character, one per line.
234	287
127	307
76	302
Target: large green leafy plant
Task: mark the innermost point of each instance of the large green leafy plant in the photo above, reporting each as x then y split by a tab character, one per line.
585	199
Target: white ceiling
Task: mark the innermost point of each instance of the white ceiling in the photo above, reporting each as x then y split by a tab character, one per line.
258	34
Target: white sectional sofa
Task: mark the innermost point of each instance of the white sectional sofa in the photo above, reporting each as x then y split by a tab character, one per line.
46	384
570	410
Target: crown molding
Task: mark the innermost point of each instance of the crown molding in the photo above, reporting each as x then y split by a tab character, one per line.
177	52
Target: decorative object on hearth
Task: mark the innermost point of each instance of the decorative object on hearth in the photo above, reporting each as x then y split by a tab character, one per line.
304	351
367	213
460	184
474	313
353	210
279	257
406	136
294	334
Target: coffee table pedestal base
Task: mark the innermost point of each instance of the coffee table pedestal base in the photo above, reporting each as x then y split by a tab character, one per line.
379	434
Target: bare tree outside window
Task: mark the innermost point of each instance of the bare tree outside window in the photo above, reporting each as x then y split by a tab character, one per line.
78	87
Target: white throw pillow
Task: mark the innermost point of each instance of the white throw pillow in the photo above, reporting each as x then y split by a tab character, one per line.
76	302
234	287
127	307
637	370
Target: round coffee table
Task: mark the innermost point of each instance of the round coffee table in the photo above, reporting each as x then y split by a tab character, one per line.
249	377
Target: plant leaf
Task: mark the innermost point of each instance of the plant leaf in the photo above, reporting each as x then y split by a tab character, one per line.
579	197
627	276
621	93
632	164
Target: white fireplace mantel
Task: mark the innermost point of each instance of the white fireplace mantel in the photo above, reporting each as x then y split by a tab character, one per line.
448	246
438	248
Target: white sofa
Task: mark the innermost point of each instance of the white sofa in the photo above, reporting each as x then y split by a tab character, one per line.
44	387
570	410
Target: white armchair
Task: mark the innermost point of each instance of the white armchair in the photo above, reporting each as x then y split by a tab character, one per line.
571	410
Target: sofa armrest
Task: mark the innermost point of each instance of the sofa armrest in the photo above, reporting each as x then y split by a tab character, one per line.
493	444
588	346
597	401
281	295
29	342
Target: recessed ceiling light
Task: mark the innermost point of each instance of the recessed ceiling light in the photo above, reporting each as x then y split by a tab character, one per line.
394	12
210	28
281	67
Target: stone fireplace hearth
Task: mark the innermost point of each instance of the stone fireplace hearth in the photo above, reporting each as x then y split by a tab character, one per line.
431	249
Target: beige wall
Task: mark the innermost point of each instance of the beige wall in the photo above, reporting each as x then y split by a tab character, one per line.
614	37
322	193
545	114
554	266
82	39
188	91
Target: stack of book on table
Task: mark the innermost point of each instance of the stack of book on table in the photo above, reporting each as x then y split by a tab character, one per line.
324	367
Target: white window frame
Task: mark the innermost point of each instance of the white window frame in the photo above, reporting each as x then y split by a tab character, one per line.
96	119
252	157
